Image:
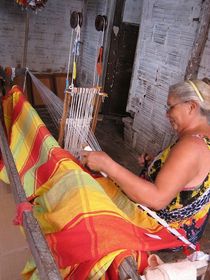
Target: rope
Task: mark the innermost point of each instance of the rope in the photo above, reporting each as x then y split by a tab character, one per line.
76	51
166	225
69	60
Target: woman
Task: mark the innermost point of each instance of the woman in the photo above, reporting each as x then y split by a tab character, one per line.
178	188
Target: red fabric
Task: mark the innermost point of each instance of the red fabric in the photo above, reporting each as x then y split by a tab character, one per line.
20	208
120	233
100	61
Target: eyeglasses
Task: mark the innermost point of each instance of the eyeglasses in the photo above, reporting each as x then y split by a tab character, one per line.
170	107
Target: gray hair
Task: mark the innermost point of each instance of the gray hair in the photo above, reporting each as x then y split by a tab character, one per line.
184	91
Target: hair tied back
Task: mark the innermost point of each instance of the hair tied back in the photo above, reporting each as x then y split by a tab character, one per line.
196	90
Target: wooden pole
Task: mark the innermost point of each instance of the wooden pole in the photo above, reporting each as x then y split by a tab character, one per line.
96	111
25	50
199	43
66	104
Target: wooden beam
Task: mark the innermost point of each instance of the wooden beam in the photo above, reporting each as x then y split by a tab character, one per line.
66	104
25	50
200	41
97	105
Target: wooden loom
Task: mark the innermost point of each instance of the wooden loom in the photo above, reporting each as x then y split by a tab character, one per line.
76	21
66	107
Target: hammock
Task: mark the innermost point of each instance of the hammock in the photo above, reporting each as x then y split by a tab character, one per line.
89	224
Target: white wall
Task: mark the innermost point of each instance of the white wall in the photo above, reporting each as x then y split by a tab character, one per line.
204	69
165	42
92	39
132	11
49	35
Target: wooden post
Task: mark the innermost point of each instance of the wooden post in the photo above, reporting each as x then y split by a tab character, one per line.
98	100
66	105
96	111
25	50
200	40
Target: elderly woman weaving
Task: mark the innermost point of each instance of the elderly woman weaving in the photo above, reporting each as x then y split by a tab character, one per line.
178	188
90	225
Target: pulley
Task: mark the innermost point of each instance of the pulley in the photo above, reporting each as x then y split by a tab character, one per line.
75	19
101	23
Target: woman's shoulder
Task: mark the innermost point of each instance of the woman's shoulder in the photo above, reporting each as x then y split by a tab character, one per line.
195	143
197	138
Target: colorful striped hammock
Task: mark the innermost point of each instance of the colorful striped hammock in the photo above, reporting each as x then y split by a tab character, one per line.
89	223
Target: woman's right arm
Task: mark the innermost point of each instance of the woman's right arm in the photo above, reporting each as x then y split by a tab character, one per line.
182	165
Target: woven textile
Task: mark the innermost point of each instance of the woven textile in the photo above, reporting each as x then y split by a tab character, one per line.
89	224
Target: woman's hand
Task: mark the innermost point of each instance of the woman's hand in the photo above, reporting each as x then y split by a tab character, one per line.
97	161
144	159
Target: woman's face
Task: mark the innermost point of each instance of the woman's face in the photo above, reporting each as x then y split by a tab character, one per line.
177	113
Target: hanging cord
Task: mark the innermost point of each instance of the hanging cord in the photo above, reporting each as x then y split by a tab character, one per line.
95	67
25	76
68	94
78	104
69	60
166	225
76	52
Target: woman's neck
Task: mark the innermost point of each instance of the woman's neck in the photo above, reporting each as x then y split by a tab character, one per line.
199	127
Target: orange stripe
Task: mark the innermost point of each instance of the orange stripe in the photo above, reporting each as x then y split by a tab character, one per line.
34	154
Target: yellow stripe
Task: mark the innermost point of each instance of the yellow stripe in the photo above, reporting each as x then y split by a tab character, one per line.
196	90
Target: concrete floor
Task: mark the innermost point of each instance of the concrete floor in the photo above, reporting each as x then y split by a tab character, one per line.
13	247
109	133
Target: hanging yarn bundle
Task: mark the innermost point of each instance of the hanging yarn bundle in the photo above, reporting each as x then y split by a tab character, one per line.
32	4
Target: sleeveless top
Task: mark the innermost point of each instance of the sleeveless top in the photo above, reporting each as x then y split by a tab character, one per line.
190	209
